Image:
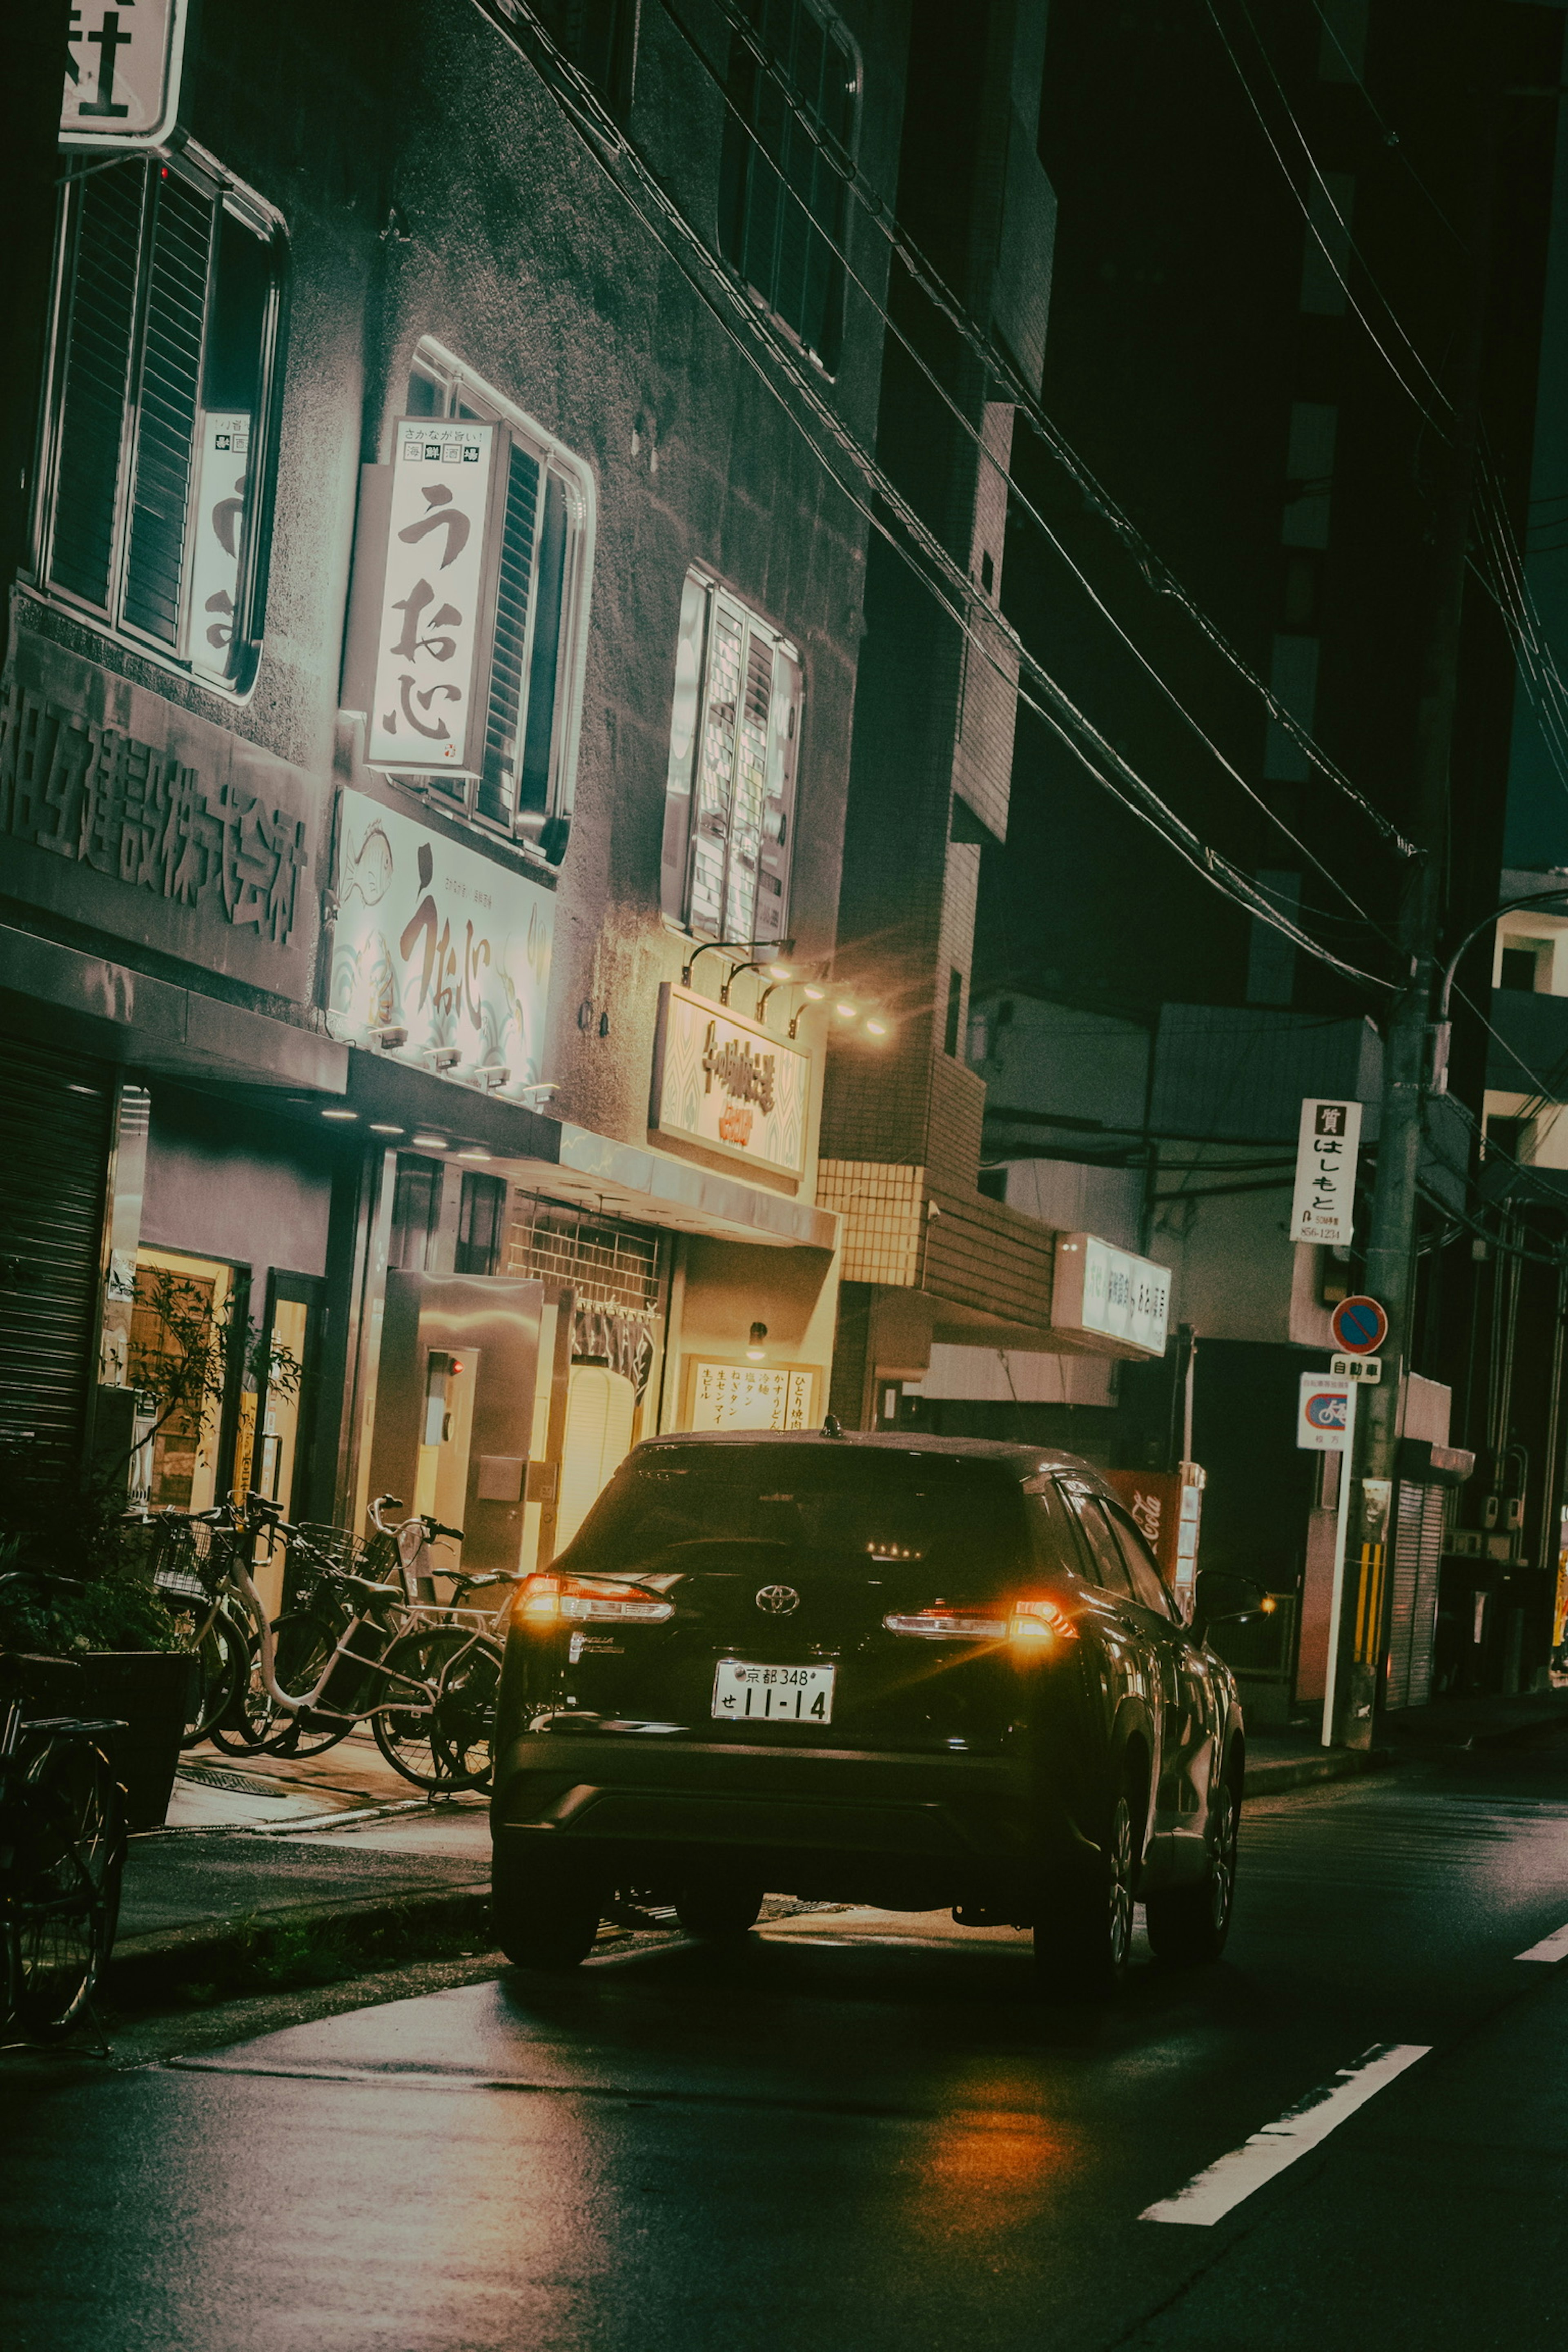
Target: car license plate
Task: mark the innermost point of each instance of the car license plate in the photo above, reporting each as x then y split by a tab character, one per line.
748	1693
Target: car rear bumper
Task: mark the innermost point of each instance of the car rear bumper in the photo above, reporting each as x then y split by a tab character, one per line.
638	1792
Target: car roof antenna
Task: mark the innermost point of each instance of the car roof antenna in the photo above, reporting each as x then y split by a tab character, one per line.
833	1426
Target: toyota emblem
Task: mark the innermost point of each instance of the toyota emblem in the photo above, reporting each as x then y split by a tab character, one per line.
778	1600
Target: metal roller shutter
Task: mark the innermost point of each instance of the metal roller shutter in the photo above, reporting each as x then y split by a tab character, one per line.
55	1119
1417	1560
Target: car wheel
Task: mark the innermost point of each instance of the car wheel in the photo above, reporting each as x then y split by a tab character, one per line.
719	1910
545	1907
1188	1925
1083	1923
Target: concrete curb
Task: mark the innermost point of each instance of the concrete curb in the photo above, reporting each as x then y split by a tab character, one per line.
275	1947
1267	1777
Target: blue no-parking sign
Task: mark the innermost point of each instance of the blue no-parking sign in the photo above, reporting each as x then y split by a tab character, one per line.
1360	1326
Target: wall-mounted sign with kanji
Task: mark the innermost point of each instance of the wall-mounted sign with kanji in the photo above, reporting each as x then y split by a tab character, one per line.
123	73
217	536
422	719
1324	1209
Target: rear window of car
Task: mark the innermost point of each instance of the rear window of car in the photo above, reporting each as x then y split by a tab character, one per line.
849	1509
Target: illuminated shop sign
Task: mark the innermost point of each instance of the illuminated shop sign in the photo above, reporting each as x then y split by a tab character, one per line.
1110	1293
440	956
729	1085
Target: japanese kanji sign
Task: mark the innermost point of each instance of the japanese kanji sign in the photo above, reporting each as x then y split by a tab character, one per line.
1324	1413
1325	1206
222	471
422	717
729	1085
98	797
442	944
1102	1289
749	1396
123	73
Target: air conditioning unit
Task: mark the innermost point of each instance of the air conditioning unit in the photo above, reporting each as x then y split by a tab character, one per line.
1513	1511
1465	1543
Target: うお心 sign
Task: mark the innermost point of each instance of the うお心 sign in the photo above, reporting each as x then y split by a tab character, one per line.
440	944
729	1085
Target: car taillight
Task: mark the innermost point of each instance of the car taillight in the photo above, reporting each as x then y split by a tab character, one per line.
547	1599
1025	1623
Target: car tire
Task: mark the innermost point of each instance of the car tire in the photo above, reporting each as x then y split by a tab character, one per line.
545	1907
1083	1918
1188	1925
719	1910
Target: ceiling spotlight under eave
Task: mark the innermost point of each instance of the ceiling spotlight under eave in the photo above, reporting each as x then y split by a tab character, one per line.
873	1028
340	1114
386	1127
473	1151
846	1011
431	1143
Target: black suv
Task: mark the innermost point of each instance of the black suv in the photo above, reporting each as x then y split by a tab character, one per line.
892	1670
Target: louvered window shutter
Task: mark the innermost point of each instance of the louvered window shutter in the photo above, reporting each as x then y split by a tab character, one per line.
751	789
514	601
683	718
95	377
170	391
715	775
771	918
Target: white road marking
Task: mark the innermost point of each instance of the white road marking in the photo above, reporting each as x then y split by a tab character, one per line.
1551	1947
1211	2194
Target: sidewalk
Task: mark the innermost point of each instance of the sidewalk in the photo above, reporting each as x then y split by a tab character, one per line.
270	1868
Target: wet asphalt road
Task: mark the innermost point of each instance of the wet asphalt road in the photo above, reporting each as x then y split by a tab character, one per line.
864	2131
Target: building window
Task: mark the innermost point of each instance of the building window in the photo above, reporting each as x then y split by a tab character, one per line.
953	1027
524	756
794	86
730	802
158	434
481	1224
1522	966
1510	1139
600	37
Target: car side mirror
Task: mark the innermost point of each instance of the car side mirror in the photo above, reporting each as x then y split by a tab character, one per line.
1221	1597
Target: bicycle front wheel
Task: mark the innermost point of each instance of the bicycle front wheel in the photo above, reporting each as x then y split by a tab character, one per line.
302	1643
70	1850
439	1736
219	1663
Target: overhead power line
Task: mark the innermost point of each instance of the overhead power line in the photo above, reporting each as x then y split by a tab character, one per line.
1000	365
727	302
1019	496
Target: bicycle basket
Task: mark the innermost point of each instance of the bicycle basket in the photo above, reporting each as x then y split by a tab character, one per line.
184	1564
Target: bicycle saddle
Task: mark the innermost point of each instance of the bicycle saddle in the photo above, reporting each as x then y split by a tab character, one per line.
366	1587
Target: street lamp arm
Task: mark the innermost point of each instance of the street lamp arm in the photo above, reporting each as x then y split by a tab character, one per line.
1440	1034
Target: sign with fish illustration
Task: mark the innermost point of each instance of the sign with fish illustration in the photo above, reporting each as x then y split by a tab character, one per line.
729	1085
440	956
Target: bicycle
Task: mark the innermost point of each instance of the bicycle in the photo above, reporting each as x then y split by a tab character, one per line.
426	1684
183	1573
62	1848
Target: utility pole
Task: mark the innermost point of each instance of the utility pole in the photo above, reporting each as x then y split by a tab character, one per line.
1391	1244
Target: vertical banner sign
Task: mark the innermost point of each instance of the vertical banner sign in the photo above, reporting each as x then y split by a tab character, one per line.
123	73
1325	1206
421	719
222	468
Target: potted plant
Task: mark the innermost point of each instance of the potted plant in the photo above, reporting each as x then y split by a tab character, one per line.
107	1621
184	1361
